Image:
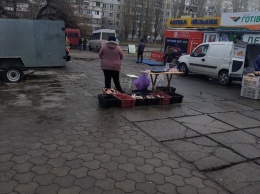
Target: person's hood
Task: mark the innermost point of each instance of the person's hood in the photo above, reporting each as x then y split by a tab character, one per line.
112	44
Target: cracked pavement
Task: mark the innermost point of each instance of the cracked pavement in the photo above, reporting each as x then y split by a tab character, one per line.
55	138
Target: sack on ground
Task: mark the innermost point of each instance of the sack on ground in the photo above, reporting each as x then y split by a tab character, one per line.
142	82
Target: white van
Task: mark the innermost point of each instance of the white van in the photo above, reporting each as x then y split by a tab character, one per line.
100	37
212	59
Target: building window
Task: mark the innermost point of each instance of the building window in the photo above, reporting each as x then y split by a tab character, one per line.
103	14
104	5
111	6
89	12
118	15
97	4
111	15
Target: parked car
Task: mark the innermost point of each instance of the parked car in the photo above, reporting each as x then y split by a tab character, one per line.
212	59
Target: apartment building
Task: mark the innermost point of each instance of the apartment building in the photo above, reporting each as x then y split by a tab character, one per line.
216	8
111	14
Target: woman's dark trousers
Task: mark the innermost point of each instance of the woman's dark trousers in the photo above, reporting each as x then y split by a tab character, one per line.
109	74
140	54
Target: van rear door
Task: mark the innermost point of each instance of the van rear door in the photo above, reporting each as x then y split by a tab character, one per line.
238	54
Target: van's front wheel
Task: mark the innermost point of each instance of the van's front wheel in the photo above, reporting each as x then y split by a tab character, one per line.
223	78
183	68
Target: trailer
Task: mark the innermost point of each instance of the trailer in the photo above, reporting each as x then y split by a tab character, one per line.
30	44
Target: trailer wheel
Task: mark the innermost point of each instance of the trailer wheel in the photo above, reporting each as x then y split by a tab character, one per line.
13	74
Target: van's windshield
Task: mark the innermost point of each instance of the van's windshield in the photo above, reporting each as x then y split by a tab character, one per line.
96	36
105	35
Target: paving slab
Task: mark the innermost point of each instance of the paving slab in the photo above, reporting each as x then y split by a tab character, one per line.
205	107
241	142
166	129
255	114
176	110
237	120
197	96
249	102
257	161
232	106
204	124
239	179
255	131
204	153
140	113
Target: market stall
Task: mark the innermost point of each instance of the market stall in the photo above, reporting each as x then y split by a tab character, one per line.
153	75
142	96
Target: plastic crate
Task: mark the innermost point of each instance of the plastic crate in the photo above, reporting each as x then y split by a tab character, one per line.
141	102
250	92
126	100
164	99
141	92
108	100
253	82
152	100
165	88
176	98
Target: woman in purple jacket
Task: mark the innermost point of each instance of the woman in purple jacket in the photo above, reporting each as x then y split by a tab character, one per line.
111	55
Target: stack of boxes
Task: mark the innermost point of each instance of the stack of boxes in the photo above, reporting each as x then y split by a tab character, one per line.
251	87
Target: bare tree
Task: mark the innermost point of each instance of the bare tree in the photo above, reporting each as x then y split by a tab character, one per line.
58	9
148	19
158	18
133	17
140	18
126	19
218	8
236	5
201	8
40	9
181	7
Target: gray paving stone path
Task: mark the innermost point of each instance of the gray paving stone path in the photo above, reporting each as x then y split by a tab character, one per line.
54	137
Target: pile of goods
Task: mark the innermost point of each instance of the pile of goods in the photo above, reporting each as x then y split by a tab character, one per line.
256	73
113	98
110	91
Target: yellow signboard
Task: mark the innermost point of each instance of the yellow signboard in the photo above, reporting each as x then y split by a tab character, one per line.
207	22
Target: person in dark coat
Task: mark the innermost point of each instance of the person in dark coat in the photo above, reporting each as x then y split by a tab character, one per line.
84	44
80	43
140	51
257	63
169	55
